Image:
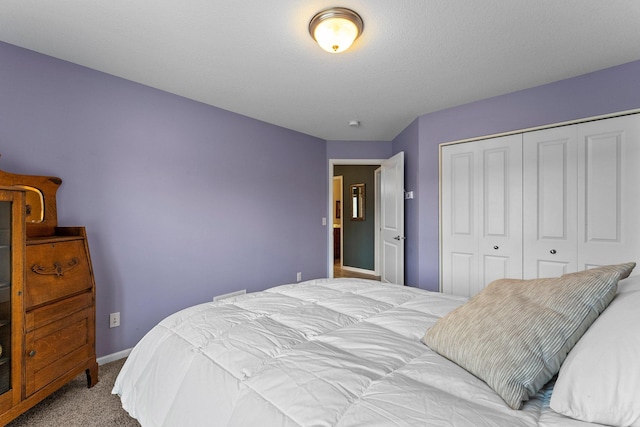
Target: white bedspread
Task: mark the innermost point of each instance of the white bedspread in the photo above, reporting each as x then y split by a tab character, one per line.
331	352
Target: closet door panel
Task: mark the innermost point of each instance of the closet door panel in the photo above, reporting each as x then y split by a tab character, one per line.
602	177
550	195
459	219
608	179
496	267
500	207
481	213
544	268
461	274
462	196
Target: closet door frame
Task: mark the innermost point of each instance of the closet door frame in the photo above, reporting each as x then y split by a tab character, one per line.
582	225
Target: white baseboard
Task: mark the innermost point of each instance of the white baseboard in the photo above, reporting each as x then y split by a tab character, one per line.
230	295
114	356
359	270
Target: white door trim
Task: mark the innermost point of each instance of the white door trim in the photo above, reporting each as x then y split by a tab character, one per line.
332	201
542	127
332	163
377	174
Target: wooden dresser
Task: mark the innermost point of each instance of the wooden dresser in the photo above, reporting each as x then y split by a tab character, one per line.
48	338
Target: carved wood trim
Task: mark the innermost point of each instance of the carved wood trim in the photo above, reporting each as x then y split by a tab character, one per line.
56	269
48	186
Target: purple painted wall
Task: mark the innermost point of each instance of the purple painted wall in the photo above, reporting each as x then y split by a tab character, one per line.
407	141
608	91
182	201
359	150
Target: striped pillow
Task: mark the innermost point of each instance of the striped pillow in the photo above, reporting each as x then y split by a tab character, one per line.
515	334
624	269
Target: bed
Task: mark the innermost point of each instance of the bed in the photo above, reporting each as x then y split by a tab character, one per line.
352	352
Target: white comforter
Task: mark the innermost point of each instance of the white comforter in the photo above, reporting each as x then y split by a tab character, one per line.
331	352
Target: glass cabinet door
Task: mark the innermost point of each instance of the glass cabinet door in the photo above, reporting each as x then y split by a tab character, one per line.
12	232
5	294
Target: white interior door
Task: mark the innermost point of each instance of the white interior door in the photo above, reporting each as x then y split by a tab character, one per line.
550	202
459	220
481	213
499	209
608	203
392	220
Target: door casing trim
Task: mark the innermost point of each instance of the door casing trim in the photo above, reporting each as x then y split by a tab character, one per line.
332	163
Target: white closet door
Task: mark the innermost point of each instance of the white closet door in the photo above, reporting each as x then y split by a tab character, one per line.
550	197
481	213
608	191
500	209
459	220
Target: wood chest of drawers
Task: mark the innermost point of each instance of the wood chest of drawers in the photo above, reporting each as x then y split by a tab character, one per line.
47	296
59	309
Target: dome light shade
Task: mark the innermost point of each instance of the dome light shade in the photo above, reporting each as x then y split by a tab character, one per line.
336	29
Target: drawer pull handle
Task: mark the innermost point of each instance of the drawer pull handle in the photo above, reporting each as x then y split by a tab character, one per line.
32	353
56	269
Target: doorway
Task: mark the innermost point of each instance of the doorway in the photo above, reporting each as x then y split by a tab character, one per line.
389	210
354	221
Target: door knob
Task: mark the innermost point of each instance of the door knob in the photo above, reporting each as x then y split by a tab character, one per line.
399	238
552	251
32	353
496	247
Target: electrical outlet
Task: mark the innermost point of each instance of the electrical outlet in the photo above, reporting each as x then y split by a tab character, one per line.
299	276
114	320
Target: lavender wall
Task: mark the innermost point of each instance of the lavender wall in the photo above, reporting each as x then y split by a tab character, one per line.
182	201
603	92
359	150
407	141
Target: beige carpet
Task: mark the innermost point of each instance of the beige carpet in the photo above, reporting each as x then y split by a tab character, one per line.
76	405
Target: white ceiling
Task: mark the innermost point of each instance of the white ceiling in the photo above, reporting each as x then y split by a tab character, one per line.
256	58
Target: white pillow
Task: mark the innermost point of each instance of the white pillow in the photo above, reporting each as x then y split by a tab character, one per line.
599	380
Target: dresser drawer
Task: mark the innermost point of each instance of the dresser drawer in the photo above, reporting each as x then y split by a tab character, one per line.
55	270
57	348
50	313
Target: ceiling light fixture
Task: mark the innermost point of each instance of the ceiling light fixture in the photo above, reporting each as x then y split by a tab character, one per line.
336	29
